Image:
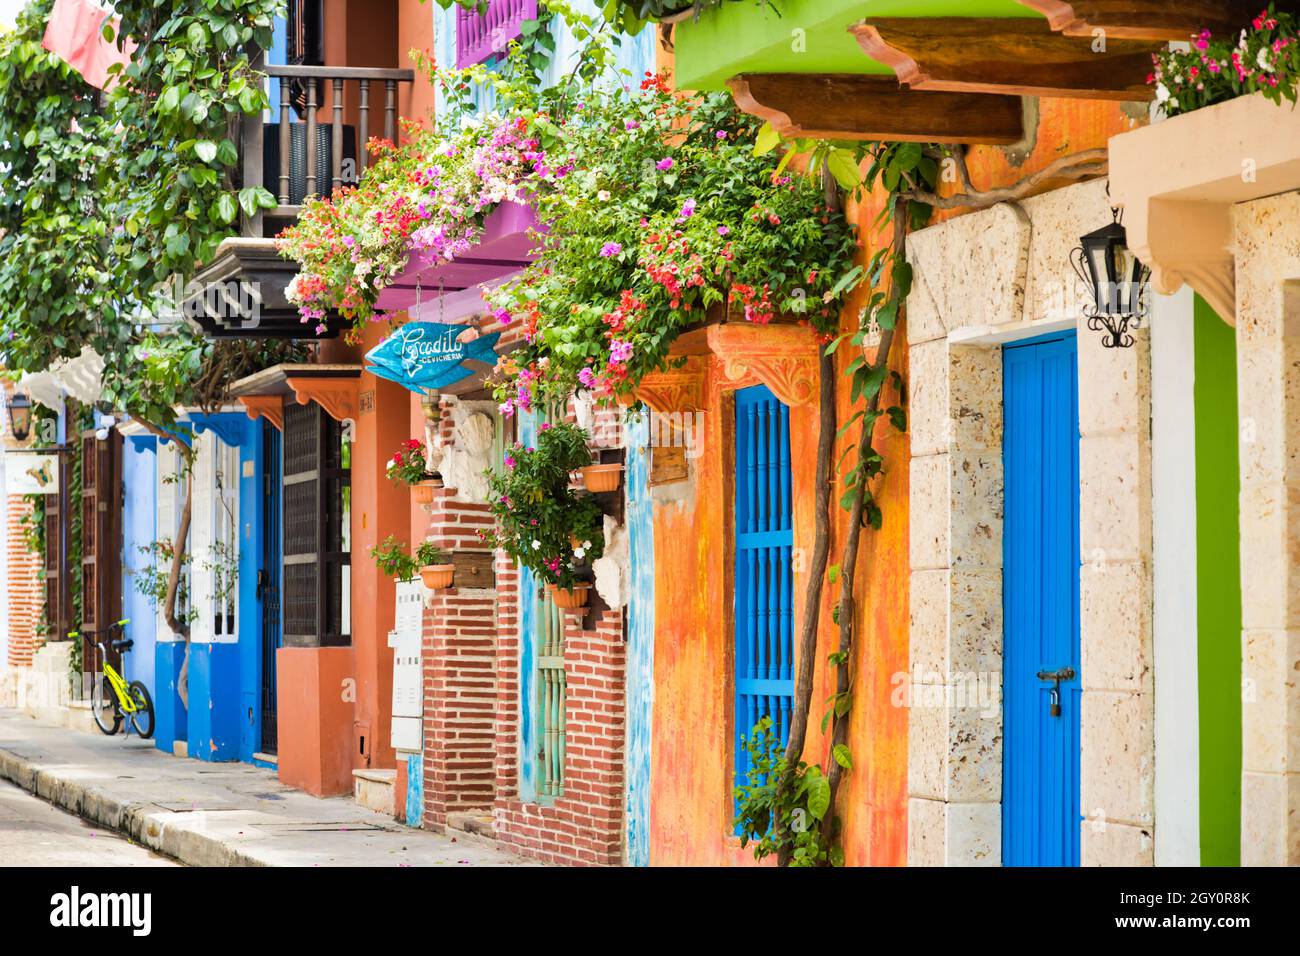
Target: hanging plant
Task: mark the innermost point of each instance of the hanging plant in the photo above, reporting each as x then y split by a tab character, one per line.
429	196
407	466
669	217
542	523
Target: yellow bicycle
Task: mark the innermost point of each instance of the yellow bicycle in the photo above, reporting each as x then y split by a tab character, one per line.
112	698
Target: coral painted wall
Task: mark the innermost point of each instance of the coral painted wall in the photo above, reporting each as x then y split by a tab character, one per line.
691	805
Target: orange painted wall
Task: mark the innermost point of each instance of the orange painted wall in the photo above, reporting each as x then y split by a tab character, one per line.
315	718
415	32
379	508
691	805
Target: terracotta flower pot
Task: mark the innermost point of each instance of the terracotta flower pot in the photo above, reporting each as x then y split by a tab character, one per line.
437	576
570	597
599	478
422	493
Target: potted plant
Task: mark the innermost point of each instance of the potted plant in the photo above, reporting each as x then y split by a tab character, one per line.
601	477
392	558
407	467
542	523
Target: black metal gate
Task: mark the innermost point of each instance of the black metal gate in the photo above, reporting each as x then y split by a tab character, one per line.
269	580
317	532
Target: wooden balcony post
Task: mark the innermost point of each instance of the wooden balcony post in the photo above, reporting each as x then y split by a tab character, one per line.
336	136
390	110
285	141
363	126
311	139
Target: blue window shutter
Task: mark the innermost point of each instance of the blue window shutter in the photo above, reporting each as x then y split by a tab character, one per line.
764	598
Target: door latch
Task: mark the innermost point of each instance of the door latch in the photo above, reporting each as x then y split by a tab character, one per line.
1056	676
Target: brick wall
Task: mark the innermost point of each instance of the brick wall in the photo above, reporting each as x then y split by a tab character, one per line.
471	659
25	586
585	825
459	669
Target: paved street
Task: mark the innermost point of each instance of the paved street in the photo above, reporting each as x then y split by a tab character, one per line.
34	833
212	814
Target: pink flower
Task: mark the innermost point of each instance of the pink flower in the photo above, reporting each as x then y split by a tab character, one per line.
664	164
587	377
610	249
688	210
631	124
723	230
721	134
510	460
619	351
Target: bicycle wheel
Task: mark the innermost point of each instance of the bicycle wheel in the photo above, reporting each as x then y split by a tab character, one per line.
103	706
142	719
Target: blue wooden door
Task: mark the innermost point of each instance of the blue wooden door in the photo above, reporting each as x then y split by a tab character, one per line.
763	584
1040	777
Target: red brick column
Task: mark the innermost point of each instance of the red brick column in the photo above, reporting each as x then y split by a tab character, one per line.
26	586
459	668
585	825
458	661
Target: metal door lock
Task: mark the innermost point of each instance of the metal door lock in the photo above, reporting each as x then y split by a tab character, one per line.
1056	676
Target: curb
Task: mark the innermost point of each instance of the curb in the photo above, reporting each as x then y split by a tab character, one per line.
147	827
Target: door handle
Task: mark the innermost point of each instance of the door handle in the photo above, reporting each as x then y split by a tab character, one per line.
1056	676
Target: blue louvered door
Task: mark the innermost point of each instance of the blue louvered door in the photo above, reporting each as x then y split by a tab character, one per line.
1040	773
763	585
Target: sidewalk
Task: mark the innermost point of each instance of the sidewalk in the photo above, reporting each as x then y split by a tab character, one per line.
214	814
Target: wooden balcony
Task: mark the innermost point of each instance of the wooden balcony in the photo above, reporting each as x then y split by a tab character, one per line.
317	142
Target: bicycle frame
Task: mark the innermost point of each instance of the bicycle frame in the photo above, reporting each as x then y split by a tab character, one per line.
118	683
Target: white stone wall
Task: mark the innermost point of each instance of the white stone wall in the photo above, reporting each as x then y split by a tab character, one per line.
981	280
1268	384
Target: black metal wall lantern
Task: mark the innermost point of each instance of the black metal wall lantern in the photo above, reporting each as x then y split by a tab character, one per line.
1117	280
20	415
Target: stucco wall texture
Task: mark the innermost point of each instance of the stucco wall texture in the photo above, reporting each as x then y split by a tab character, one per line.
691	762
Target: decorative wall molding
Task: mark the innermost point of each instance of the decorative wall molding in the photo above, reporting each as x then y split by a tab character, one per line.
338	396
782	357
683	389
270	407
232	428
1180	222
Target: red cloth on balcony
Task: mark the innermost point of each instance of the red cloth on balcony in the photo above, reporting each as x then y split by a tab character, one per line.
75	33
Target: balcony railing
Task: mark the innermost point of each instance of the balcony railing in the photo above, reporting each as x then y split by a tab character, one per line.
296	155
479	35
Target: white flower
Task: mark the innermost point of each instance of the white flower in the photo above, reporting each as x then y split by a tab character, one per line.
536	544
586	545
603	195
1262	60
579	553
1162	93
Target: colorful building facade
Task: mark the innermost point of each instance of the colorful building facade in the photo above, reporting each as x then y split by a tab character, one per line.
1074	634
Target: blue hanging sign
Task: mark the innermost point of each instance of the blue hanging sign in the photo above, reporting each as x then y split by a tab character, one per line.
427	355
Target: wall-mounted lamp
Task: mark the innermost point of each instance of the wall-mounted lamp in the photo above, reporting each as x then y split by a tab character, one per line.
20	415
1117	280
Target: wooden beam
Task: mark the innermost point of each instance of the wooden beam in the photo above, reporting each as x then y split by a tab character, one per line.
861	107
1020	56
1148	19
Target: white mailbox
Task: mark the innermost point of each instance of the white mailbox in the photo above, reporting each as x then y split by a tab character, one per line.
408	682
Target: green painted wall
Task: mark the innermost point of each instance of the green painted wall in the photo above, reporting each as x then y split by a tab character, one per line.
1218	588
807	36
